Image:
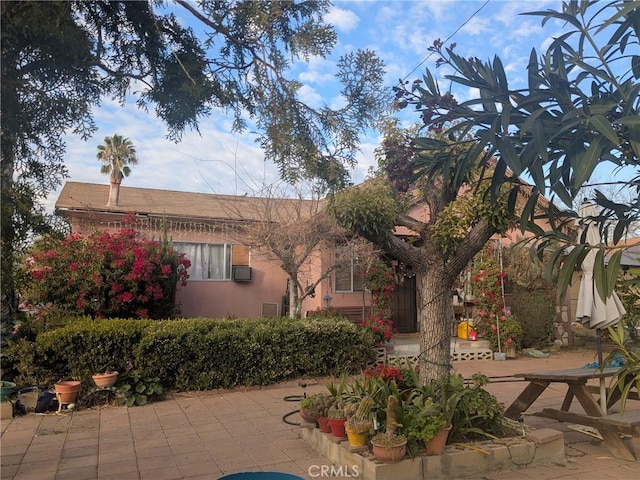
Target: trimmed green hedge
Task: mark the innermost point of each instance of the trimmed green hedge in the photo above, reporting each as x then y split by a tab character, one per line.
194	354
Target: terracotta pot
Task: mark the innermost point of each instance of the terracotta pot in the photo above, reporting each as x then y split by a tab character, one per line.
389	454
437	444
337	427
307	416
67	391
324	424
356	439
105	379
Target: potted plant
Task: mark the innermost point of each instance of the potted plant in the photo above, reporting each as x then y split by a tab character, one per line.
337	419
67	391
323	404
105	380
359	424
436	435
426	423
308	409
390	446
357	431
6	390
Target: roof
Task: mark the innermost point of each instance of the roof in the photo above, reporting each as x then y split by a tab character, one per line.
630	255
92	198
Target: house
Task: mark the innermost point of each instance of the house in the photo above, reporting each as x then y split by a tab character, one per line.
228	278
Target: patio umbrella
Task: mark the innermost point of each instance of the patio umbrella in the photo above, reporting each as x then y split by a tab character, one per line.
592	311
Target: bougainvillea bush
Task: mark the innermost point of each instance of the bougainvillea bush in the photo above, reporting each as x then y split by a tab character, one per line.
492	319
380	280
103	275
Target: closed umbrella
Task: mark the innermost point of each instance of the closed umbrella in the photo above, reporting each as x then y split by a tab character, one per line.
592	311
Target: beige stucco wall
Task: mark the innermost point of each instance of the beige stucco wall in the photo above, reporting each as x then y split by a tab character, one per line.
211	298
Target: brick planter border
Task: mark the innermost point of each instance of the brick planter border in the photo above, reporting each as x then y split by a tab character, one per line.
537	447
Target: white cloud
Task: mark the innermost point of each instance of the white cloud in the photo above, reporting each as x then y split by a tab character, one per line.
310	96
478	26
342	20
439	9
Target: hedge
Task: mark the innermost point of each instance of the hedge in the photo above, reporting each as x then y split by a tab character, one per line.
194	354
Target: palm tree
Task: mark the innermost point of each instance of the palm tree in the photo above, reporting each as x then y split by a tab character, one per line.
116	155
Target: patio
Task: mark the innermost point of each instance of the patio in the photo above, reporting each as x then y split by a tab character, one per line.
205	435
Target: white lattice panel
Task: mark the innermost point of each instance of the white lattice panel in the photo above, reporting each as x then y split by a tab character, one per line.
403	360
472	354
380	359
460	355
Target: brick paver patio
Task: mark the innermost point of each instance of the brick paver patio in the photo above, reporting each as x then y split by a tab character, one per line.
206	435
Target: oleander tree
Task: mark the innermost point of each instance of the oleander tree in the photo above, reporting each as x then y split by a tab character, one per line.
580	109
437	248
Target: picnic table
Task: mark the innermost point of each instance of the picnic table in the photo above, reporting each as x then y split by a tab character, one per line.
608	426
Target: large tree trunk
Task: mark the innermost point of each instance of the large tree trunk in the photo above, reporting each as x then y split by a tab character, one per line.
114	193
295	306
435	313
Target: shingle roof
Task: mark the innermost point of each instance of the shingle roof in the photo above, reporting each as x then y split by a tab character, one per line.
92	198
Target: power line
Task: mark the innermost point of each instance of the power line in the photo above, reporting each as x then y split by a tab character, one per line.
448	38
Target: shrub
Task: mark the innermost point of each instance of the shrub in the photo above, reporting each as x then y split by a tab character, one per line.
80	349
194	354
536	314
120	275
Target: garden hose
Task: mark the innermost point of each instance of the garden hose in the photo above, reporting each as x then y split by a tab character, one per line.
293	398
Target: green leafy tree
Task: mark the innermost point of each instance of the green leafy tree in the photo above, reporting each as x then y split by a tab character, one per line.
438	247
60	58
580	109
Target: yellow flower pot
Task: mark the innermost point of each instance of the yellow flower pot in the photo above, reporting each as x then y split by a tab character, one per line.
356	439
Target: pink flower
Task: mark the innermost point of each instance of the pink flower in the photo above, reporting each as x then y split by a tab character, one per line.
125	297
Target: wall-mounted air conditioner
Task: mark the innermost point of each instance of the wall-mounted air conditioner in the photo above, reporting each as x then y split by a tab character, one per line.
241	273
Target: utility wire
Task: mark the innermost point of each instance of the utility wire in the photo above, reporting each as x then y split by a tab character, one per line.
448	38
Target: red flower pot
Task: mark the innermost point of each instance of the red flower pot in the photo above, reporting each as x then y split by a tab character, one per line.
324	425
337	427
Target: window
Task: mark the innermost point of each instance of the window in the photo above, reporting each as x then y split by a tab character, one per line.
212	261
349	272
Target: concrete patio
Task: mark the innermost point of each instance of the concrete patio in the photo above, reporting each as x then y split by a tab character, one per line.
206	435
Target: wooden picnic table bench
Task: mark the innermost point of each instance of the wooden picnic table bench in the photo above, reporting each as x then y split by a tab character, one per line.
608	426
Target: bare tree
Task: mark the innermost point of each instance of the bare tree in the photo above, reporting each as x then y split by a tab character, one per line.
297	232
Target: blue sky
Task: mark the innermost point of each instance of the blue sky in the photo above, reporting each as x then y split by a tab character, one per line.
219	161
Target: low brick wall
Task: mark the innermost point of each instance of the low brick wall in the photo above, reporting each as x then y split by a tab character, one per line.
537	447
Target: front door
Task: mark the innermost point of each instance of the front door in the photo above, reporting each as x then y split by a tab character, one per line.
403	306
